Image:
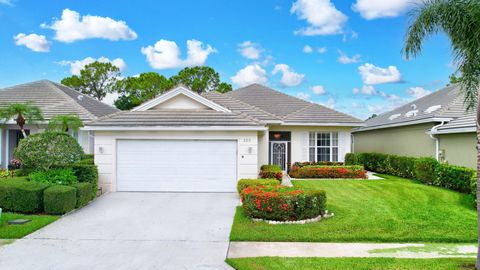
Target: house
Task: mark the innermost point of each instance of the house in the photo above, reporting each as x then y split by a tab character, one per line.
53	99
436	125
183	141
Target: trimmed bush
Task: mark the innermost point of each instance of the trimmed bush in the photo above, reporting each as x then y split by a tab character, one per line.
353	171
401	166
353	159
244	183
19	195
54	176
271	171
88	156
84	194
455	177
426	170
283	203
88	161
270	167
319	163
85	174
43	150
59	199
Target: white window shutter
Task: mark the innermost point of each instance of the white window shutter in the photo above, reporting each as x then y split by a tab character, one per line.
344	142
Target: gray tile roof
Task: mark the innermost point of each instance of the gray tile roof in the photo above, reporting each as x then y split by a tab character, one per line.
54	99
287	108
464	122
175	118
444	103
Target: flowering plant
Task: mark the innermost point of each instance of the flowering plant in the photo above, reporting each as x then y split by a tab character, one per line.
14	164
328	172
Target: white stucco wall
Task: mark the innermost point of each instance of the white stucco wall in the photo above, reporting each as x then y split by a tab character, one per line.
106	141
180	102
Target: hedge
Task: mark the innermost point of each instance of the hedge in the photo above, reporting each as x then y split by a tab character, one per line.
244	183
19	195
318	163
282	203
59	199
353	171
85	174
427	170
271	171
84	194
54	176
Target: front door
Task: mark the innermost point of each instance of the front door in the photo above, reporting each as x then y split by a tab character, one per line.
279	154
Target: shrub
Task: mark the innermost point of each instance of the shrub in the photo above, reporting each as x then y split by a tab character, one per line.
353	159
85	174
319	163
375	162
59	199
271	171
244	183
54	176
84	194
87	161
426	169
283	203
270	167
19	195
6	173
43	150
455	177
400	166
14	164
353	171
88	156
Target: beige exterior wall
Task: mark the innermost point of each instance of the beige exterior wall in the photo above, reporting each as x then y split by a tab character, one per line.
300	137
106	142
459	149
180	102
404	141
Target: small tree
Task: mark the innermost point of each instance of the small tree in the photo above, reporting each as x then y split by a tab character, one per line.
65	123
201	79
22	113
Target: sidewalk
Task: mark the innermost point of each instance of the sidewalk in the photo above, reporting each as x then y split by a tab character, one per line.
394	250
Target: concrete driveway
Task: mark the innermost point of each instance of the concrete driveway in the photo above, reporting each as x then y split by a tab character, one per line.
132	231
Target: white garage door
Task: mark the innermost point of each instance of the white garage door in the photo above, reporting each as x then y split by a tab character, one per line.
176	165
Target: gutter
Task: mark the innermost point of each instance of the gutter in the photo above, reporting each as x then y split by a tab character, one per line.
432	136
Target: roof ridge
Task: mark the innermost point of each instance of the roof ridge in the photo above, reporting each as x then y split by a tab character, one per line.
80	93
447	107
252	106
69	99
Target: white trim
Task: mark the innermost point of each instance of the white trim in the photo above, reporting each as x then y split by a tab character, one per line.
421	121
7	146
286	153
179	128
323	124
331	146
437	143
175	92
454	130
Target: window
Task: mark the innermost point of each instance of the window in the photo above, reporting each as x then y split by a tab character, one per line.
323	146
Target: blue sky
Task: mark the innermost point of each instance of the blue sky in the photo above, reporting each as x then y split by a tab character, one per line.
343	54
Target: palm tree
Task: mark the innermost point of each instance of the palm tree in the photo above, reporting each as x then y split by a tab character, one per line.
22	113
65	123
460	21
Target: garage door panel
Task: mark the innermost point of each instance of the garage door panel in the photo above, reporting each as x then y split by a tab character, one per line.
162	165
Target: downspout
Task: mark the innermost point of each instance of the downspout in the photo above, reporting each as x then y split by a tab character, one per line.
434	128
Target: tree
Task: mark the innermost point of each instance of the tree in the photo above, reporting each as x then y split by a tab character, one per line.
96	79
22	113
201	79
136	90
65	123
460	21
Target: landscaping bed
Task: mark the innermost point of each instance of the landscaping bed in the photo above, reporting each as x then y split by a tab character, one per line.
328	172
390	210
276	263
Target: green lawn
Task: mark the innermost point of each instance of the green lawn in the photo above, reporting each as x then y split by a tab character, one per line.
19	231
275	263
391	210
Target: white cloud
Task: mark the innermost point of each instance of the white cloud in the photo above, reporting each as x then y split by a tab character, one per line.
77	65
418	92
6	2
304	96
36	43
166	54
376	75
250	74
250	50
330	103
289	78
71	27
307	49
318	89
110	98
344	59
322	50
366	90
322	17
373	9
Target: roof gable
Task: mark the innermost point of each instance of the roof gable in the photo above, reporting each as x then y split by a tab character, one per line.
180	98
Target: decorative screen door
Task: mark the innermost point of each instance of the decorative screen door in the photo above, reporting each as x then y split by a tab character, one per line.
279	154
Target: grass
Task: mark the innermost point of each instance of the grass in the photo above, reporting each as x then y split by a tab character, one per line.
19	231
275	263
391	210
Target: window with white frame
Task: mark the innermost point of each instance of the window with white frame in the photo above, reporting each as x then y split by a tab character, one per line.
323	146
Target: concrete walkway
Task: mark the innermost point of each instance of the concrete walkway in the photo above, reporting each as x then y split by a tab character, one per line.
132	231
302	249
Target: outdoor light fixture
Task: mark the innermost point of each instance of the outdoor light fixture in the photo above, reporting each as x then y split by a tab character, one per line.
277	135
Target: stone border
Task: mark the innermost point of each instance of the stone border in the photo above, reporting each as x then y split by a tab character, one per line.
304	221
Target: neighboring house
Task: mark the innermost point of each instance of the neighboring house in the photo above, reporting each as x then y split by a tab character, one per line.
436	125
183	141
53	99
